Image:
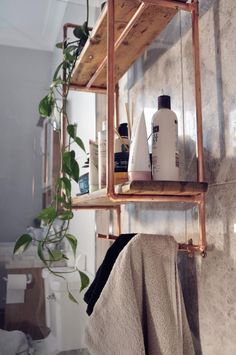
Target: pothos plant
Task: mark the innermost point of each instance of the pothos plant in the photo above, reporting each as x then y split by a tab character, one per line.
48	248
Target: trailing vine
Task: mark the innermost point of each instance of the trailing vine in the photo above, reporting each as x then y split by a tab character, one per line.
48	248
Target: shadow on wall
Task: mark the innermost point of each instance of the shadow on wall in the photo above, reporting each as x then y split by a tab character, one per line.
167	39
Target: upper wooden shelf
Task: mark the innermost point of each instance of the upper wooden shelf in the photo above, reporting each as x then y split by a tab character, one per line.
163	191
91	67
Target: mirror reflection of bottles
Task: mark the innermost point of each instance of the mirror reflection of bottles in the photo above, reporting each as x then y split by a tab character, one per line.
165	155
102	141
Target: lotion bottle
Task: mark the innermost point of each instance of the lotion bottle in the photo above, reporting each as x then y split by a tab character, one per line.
165	155
139	167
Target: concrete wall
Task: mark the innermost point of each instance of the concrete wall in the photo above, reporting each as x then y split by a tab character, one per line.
24	80
209	284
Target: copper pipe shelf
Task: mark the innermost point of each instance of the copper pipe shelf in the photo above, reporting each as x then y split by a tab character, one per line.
144	191
122	33
133	34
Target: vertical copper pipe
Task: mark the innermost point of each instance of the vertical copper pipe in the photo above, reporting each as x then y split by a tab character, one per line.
198	100
117	107
118	222
202	227
110	95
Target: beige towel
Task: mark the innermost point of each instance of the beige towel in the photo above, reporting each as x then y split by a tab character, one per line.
141	310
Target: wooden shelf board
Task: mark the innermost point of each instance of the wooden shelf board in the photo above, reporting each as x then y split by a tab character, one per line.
153	20
97	198
154	189
169	188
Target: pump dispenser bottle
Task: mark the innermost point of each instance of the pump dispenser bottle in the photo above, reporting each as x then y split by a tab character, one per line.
165	155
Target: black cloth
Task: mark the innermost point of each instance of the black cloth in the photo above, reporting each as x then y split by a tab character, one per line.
92	294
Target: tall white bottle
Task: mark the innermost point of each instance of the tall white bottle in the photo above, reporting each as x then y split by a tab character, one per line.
165	155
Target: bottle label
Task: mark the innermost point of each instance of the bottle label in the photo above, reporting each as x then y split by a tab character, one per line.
155	132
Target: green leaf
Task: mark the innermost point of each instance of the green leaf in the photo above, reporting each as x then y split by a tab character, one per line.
73	242
23	242
46	105
55	255
66	215
80	143
56	82
48	214
71	130
70	165
75	170
69	49
57	71
66	184
71	297
78	32
66	159
60	45
69	57
84	280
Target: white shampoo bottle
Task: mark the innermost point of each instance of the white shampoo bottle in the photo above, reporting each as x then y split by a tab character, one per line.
165	155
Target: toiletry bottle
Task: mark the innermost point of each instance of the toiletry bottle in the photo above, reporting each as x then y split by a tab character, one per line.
139	167
121	156
165	155
102	142
93	166
122	143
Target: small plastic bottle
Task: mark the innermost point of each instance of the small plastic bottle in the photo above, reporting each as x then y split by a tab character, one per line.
165	155
102	142
122	143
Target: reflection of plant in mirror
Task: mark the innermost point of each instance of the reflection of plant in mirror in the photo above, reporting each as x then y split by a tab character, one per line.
48	247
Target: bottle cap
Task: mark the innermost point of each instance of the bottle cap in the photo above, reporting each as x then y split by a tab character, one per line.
164	102
123	130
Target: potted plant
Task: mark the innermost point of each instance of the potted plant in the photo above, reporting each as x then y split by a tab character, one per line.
48	248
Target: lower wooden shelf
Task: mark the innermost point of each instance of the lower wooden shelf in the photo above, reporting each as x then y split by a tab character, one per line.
163	191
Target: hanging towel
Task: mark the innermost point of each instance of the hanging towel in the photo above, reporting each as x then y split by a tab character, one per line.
92	294
141	310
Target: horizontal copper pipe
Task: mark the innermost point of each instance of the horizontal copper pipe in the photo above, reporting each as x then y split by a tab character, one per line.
186	247
127	29
73	25
92	89
95	207
107	236
150	198
177	5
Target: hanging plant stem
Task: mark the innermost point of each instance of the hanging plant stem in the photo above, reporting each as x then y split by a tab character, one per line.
60	209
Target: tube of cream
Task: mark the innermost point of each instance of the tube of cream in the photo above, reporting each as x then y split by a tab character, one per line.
139	167
93	166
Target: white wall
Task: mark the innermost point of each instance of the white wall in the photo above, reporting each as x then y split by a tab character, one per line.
81	109
24	77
